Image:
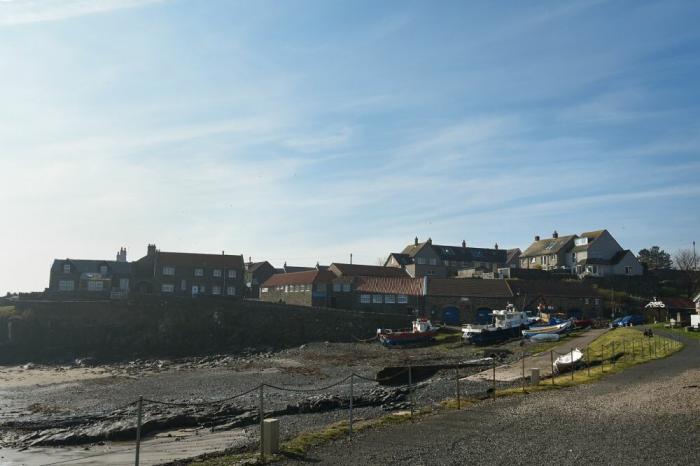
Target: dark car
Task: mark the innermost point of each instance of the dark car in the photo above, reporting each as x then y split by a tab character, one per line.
630	320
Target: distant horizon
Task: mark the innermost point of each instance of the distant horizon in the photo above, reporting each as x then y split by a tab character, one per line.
308	130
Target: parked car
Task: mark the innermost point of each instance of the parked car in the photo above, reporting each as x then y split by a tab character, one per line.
616	323
629	321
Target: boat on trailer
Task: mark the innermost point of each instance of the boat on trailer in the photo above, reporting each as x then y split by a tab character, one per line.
556	328
422	332
507	324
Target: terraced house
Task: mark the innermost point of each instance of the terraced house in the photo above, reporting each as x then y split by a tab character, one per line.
189	274
94	277
428	259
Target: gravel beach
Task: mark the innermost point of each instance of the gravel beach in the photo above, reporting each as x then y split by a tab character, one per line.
648	414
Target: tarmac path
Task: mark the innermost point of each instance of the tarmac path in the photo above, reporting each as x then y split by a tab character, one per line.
513	372
647	414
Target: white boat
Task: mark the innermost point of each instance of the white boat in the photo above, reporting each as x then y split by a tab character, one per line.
507	324
568	360
558	328
543	337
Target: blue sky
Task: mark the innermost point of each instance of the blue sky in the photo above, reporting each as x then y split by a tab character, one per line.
308	130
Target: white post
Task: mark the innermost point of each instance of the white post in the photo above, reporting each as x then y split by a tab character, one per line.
534	376
271	443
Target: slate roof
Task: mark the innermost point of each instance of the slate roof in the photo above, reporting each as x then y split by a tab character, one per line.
253	266
469	287
513	255
394	285
402	259
677	302
294	269
619	255
548	246
350	270
91	266
188	259
534	288
592	235
299	278
458	253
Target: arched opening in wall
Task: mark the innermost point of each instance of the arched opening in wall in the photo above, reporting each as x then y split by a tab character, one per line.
450	315
484	315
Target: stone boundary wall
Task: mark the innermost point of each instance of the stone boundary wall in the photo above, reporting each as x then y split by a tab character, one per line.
118	330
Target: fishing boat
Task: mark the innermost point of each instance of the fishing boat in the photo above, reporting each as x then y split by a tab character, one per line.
556	328
422	332
507	324
567	361
544	337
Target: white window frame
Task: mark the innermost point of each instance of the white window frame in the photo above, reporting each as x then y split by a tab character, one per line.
402	299
216	290
346	287
628	270
377	299
124	284
420	260
95	285
365	298
168	270
66	285
104	269
66	268
216	273
231	290
167	288
263	289
389	299
232	273
199	272
337	287
433	261
183	285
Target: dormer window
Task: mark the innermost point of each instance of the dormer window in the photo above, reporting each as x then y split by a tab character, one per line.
66	268
581	241
103	269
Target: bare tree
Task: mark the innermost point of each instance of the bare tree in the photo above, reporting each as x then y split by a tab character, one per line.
381	260
686	262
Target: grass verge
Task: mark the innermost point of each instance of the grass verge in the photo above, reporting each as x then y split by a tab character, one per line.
677	331
610	353
627	347
7	311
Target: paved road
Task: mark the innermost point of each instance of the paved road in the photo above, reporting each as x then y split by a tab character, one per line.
513	372
648	414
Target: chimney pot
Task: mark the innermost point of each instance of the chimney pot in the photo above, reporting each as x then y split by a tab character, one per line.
415	241
537	237
555	235
495	246
464	244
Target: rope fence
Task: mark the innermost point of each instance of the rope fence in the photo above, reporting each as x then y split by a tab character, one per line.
652	347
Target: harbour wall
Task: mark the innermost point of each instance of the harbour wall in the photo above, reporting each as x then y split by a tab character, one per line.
118	330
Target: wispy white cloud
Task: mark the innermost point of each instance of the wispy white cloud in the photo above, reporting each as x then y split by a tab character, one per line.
32	11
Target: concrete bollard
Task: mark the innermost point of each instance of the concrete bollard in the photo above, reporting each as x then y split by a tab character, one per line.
534	376
271	436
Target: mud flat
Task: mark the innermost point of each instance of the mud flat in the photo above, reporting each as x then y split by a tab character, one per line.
74	407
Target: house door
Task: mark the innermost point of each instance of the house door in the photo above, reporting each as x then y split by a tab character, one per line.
195	290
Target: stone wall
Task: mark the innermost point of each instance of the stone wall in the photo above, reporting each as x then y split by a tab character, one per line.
119	330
